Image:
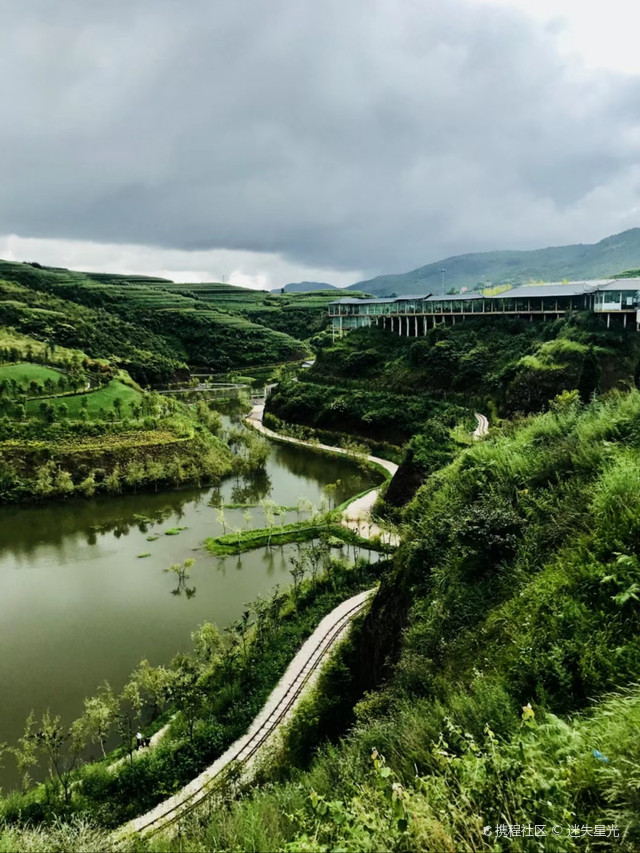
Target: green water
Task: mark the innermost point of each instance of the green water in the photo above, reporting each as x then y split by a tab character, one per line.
78	606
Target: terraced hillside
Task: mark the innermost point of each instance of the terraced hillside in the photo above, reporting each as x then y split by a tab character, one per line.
168	319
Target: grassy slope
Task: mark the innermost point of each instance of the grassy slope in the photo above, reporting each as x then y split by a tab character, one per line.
176	321
517	583
11	339
23	373
101	399
600	260
37	314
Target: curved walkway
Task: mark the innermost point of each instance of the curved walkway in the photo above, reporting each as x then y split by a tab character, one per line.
483	426
357	515
300	675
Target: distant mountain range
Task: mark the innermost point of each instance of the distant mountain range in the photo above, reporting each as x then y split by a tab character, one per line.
609	257
306	287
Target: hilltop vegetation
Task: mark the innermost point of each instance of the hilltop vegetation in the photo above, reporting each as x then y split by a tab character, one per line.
149	327
479	269
156	326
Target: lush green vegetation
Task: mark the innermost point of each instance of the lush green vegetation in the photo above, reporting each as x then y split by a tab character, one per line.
422	393
99	402
112	439
152	327
477	270
24	373
28	309
494	682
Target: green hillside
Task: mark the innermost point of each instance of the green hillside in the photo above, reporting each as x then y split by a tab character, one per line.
212	326
580	261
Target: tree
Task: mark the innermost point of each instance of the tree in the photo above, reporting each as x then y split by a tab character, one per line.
61	747
99	715
155	472
182	572
25	752
186	689
156	682
113	480
220	518
330	492
134	474
44	480
88	486
207	643
297	571
63	484
117	405
269	507
129	715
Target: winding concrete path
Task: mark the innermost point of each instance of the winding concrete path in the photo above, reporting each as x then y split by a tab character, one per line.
483	426
301	674
357	515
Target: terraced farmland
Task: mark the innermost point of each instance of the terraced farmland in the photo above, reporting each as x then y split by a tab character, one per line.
211	334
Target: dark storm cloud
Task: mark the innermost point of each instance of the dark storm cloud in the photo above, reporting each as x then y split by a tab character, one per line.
377	135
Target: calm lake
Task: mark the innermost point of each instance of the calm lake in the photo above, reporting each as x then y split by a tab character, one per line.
77	604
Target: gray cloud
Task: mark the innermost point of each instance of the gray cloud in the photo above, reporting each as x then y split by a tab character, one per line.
363	135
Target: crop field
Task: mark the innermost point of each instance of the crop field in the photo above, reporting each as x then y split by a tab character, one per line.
96	400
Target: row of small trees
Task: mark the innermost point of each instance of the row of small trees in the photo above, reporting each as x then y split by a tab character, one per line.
51	412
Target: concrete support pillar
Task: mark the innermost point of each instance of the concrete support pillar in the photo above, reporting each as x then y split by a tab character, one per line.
341	325
625	321
424	324
608	320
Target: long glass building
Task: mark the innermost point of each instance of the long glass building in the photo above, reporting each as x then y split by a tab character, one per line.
616	300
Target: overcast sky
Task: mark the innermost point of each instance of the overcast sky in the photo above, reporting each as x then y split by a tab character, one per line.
267	142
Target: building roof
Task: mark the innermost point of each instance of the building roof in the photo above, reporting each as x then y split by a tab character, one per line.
452	296
358	301
572	288
621	284
379	300
525	291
